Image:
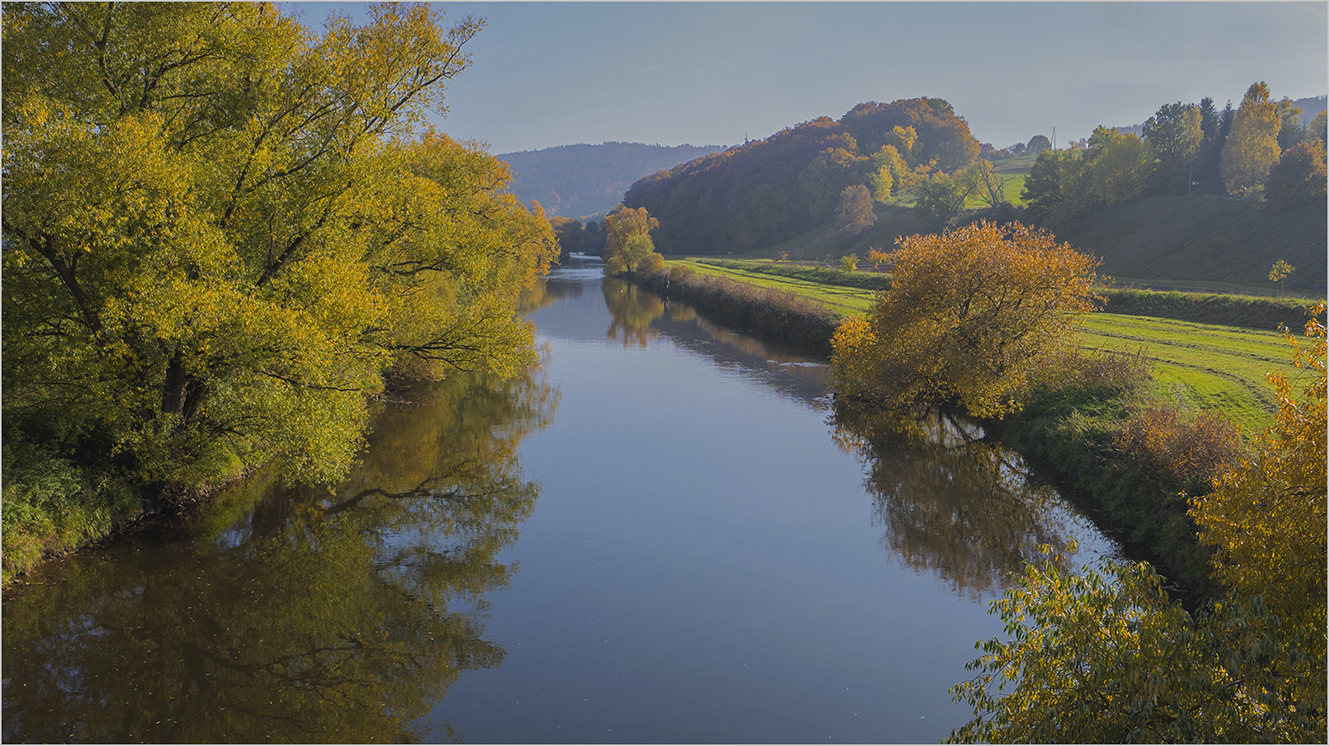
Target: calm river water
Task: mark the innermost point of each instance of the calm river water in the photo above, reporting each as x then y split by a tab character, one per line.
667	534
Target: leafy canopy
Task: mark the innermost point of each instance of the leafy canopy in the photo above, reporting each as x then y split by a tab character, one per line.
1106	656
220	232
969	316
1252	144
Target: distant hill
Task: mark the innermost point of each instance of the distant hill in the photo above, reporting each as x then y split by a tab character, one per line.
771	190
579	181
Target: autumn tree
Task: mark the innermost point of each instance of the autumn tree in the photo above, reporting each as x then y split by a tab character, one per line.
1267	518
636	250
1050	183
902	140
622	225
969	316
1290	131
1107	656
989	187
1111	169
1318	129
854	213
1252	144
1174	136
939	199
827	176
1037	144
1300	170
888	175
221	233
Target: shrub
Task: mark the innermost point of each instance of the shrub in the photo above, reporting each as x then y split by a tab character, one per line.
1188	452
652	264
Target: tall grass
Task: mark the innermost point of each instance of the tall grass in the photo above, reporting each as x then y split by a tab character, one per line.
51	507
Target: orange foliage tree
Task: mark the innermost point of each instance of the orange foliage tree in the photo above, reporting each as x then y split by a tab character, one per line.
970	315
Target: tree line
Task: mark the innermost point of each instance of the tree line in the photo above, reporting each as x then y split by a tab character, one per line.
224	236
1260	149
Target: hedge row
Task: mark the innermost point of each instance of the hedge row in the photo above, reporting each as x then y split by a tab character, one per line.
1206	308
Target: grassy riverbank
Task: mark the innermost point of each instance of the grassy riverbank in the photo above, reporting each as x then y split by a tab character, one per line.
51	507
1127	424
1210	352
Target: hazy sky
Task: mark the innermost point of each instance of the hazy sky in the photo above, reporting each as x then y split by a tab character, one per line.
546	74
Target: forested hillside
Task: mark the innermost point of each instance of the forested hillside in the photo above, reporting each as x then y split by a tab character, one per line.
581	181
771	190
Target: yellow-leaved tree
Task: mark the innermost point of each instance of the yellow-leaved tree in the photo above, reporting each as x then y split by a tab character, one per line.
220	232
1267	518
628	239
1106	656
969	316
1252	144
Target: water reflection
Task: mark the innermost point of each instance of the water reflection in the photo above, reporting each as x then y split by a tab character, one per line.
544	293
631	311
324	616
948	502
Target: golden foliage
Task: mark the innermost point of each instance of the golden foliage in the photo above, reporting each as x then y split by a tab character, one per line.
221	232
1187	451
1267	518
970	315
1107	657
1252	144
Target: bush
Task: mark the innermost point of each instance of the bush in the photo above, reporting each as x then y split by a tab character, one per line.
1188	452
652	264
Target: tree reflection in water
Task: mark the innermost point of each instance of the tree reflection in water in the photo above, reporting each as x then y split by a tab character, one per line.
631	311
950	503
326	616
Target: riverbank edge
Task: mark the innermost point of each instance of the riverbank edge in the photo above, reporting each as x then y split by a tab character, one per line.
88	509
1129	502
80	509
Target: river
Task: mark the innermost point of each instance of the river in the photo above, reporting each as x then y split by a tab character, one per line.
667	533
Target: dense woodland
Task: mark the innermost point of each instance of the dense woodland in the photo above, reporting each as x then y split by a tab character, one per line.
766	191
585	181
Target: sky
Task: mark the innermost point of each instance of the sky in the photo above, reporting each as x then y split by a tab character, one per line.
550	73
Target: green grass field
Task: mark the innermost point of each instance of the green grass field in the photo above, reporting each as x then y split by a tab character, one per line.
1211	367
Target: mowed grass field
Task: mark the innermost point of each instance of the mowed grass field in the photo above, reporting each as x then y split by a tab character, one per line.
1211	367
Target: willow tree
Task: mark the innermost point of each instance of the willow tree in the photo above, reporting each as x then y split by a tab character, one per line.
220	232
